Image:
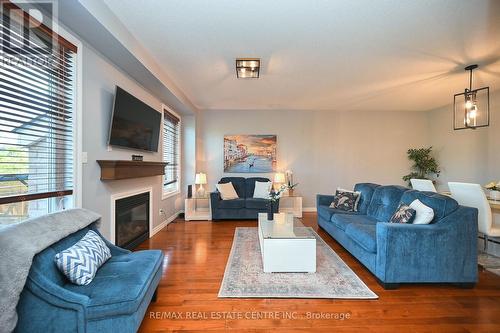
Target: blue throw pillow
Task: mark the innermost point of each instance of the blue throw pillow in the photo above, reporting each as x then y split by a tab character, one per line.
80	262
404	214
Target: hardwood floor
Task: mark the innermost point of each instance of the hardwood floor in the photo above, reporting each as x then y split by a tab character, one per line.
195	259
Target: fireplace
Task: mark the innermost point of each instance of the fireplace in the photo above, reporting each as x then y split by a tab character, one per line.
132	220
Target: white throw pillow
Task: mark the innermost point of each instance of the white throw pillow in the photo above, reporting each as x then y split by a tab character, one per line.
424	215
262	190
227	191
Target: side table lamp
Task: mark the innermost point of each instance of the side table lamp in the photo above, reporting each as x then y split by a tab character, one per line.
200	179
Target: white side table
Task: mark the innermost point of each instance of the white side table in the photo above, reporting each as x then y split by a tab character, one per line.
291	204
197	208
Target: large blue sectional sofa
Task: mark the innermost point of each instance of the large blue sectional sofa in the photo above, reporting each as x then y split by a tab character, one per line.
444	251
246	207
115	301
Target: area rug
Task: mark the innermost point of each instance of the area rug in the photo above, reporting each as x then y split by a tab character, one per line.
245	278
488	261
494	271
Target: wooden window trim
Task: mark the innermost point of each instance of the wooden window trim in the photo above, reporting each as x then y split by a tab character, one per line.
40	26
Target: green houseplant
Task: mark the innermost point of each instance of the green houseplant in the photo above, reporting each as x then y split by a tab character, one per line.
424	164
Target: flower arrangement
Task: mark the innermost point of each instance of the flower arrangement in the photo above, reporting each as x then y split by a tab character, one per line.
275	195
493	186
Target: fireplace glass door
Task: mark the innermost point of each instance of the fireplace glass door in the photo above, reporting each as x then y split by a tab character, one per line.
132	220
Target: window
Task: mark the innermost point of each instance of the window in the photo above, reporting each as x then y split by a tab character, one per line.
171	151
37	90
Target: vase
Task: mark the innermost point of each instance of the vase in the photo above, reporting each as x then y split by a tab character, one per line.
495	195
270	211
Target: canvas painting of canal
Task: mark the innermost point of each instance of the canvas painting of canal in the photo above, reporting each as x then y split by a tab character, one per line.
249	153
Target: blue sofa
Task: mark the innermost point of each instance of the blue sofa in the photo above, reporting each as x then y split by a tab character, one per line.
115	301
245	207
444	251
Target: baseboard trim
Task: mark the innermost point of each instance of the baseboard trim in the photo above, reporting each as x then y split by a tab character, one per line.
309	209
164	224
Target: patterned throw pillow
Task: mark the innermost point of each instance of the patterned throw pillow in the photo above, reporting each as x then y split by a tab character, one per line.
404	214
80	262
346	200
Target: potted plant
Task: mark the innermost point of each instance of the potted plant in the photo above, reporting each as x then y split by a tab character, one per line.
494	188
274	197
424	164
289	182
290	187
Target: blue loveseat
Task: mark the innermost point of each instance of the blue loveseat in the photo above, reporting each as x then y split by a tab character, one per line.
444	251
115	301
245	207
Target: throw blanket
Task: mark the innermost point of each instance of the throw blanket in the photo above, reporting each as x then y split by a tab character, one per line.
20	242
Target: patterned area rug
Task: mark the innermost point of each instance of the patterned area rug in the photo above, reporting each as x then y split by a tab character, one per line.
488	261
494	271
245	278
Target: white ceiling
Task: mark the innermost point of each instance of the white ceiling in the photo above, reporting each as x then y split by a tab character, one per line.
332	55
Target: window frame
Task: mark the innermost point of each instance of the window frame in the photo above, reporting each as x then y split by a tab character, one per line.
78	115
77	125
167	194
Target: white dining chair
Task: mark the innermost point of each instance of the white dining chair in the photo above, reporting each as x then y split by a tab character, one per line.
423	185
472	195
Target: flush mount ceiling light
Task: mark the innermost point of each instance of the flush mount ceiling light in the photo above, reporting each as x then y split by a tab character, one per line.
247	68
471	109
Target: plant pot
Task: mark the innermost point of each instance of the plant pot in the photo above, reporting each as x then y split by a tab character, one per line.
290	193
495	195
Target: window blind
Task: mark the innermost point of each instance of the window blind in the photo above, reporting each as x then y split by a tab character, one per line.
171	154
36	113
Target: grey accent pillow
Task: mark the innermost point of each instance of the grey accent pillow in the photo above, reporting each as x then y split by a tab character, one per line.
80	262
404	214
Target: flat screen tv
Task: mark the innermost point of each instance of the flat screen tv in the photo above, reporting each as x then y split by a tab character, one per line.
134	124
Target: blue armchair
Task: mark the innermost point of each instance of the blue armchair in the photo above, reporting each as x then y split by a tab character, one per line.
115	301
444	251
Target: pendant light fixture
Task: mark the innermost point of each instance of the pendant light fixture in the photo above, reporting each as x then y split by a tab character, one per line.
471	109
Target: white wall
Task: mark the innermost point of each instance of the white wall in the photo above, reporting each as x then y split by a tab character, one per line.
100	77
494	138
324	149
188	153
466	155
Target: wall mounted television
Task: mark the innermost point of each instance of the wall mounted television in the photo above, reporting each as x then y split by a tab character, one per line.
134	124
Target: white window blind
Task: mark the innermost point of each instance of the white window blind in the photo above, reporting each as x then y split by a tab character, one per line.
36	118
171	151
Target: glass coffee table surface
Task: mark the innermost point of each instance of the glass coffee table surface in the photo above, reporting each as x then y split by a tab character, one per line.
284	226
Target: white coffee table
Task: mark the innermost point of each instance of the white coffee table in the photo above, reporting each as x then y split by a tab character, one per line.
286	244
